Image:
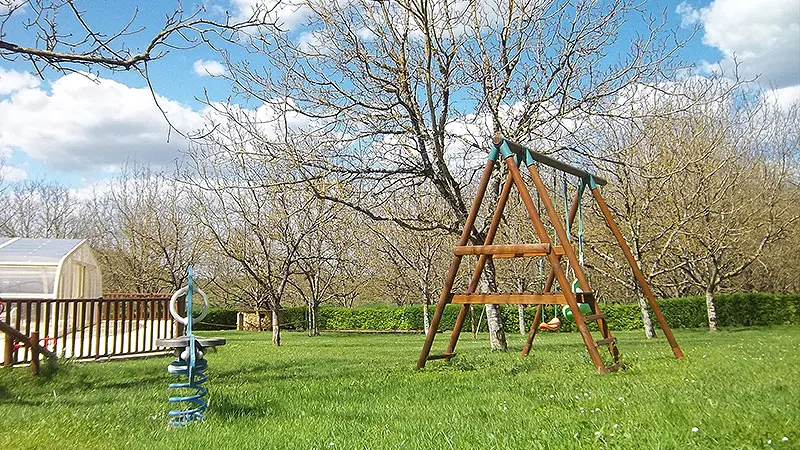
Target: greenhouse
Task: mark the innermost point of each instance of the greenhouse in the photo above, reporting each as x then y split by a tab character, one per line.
48	268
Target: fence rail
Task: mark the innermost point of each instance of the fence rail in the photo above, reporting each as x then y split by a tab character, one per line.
88	328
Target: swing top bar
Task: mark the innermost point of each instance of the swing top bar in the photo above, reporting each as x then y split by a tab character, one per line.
546	160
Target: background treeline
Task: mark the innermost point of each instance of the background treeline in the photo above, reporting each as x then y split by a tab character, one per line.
734	310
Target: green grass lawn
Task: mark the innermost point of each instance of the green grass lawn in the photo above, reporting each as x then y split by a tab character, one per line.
739	388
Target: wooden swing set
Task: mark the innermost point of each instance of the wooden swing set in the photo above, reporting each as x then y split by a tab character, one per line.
581	294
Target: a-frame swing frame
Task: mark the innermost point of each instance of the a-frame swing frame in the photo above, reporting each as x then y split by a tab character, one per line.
511	153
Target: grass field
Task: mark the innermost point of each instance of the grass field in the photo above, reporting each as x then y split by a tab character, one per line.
736	389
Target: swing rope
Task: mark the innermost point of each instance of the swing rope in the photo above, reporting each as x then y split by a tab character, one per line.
581	188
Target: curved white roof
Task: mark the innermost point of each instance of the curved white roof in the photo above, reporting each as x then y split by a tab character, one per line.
21	251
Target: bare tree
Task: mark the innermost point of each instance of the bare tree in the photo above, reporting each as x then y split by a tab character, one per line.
40	209
146	231
397	92
702	195
59	35
252	216
416	260
744	204
322	256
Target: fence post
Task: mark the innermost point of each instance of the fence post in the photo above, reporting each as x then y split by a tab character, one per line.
8	352
34	339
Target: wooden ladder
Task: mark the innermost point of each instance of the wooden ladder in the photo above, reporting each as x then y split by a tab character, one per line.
544	248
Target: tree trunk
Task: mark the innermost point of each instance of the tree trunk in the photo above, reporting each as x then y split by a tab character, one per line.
649	331
712	310
497	334
494	320
276	328
315	319
426	316
309	324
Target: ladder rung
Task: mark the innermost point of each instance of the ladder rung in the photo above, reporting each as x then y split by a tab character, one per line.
606	341
441	356
614	367
505	251
516	298
591	317
510	299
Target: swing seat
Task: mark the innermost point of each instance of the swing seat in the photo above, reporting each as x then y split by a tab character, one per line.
552	325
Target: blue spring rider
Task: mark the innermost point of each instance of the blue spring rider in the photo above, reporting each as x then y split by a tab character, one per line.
189	362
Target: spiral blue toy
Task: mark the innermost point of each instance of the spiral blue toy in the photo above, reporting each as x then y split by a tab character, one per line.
189	360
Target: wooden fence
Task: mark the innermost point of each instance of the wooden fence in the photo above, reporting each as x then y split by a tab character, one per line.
88	328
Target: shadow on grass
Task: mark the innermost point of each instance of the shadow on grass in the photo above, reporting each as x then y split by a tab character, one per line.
281	370
226	408
138	382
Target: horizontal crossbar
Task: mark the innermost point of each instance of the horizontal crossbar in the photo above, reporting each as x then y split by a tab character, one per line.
546	160
441	356
606	341
507	251
554	298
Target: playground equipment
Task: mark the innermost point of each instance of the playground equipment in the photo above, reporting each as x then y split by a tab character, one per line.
570	296
190	361
551	325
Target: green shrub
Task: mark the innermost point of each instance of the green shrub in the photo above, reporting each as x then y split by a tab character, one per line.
294	318
218	319
733	310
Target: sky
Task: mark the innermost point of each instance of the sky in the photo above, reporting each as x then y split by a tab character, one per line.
80	132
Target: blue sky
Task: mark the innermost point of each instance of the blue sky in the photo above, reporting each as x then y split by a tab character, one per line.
79	132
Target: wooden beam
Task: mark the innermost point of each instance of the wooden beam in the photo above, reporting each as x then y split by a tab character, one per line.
455	264
555	221
516	298
482	260
537	319
507	251
12	332
548	161
637	273
34	353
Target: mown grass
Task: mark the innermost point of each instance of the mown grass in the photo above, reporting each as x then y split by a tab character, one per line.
739	388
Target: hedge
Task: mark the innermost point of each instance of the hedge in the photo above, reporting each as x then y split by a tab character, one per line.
733	310
218	319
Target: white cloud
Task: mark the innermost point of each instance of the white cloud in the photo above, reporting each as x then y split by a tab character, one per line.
689	14
763	36
94	189
8	5
288	14
10	174
88	123
209	68
313	42
783	98
12	81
